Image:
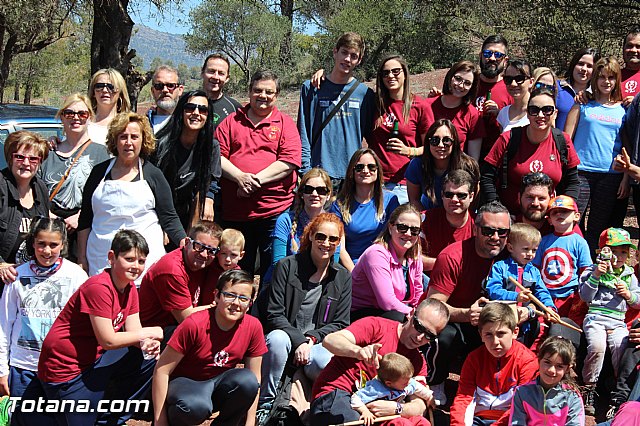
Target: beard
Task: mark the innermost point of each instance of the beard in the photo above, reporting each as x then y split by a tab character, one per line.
491	69
167	104
534	215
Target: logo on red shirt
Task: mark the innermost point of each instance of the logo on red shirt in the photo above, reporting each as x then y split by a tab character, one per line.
631	86
221	358
118	321
274	133
536	166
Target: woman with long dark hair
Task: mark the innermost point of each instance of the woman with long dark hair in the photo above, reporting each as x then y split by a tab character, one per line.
576	80
189	157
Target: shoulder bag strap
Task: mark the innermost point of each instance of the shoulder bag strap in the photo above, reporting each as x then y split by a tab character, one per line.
66	173
333	112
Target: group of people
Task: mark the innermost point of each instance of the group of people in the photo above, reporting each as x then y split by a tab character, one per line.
391	233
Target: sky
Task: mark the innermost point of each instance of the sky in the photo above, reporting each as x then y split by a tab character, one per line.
173	20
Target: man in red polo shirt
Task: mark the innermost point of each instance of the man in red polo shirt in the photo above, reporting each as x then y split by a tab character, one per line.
260	150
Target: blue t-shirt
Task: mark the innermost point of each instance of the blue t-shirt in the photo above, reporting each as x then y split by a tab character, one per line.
364	226
343	134
597	139
559	258
564	103
414	175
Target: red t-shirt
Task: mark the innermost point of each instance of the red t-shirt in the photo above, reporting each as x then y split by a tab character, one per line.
71	345
439	233
630	82
208	350
465	118
530	158
458	273
252	149
210	283
166	286
420	118
343	372
500	96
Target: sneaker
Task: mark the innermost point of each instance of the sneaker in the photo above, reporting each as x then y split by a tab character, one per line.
611	412
589	397
261	414
5	403
439	397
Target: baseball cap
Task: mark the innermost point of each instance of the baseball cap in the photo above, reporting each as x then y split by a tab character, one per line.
614	237
563	202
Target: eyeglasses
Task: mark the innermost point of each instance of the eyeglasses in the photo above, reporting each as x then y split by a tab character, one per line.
541	85
461	195
436	140
422	329
101	86
402	228
546	110
170	86
321	190
190	108
488	231
199	247
465	83
395	71
489	53
21	158
360	167
269	93
69	114
321	238
232	297
519	79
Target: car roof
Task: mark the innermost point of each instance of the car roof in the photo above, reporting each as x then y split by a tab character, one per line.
20	113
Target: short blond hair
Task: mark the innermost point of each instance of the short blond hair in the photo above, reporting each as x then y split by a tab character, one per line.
394	366
232	237
523	232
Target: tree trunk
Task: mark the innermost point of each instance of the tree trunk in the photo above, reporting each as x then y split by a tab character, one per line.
7	57
286	10
28	90
16	91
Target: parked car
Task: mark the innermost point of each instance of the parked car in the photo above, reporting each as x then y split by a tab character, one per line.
36	118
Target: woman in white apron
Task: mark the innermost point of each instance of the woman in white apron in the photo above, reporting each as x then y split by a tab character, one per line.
126	192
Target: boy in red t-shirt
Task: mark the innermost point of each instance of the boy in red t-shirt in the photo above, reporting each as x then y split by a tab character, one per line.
491	373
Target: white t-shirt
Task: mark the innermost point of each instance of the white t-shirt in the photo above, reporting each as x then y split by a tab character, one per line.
503	120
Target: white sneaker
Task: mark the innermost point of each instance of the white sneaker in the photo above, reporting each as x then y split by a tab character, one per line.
439	396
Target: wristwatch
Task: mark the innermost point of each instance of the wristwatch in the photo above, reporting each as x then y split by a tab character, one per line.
398	408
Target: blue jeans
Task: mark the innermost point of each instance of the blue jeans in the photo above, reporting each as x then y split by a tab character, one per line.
25	384
399	189
274	361
333	408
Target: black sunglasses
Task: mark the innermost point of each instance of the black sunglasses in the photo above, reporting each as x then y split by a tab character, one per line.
402	228
321	190
488	231
395	71
170	86
546	110
537	178
422	329
446	141
489	53
190	108
199	247
321	238
99	86
360	167
519	79
461	195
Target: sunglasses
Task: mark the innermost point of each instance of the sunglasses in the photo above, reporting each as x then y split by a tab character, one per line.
231	297
538	178
395	71
160	86
436	140
190	108
540	85
199	247
321	238
321	190
20	158
461	195
546	110
519	79
488	231
360	167
101	86
69	114
422	329
465	83
402	228
489	53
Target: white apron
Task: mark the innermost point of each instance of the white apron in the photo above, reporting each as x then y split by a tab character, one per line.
123	205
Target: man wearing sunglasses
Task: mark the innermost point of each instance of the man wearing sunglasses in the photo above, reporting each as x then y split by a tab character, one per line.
357	351
166	90
170	290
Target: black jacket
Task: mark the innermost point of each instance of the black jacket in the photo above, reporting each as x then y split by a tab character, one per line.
286	295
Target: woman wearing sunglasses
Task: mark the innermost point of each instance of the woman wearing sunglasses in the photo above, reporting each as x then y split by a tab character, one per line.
66	169
595	127
387	281
309	297
189	157
23	197
456	104
425	173
363	205
539	148
109	96
576	81
517	78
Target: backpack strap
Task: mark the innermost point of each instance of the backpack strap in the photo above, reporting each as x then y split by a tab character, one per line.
515	138
561	145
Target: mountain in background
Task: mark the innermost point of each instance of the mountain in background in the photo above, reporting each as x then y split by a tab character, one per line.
150	44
